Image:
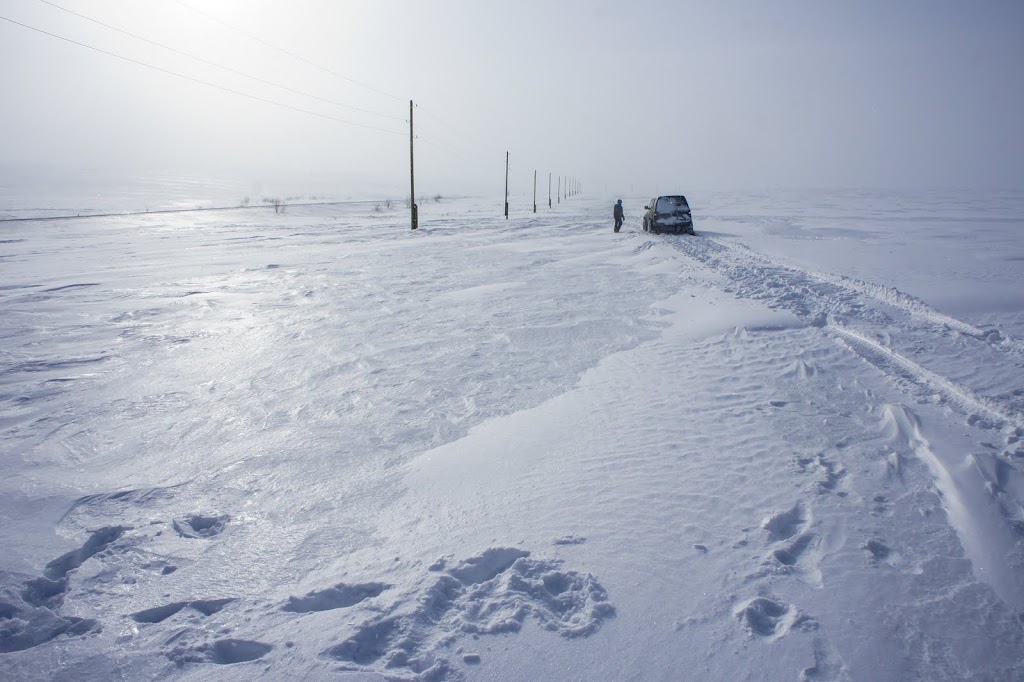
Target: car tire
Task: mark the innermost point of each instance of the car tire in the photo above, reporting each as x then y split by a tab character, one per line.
654	228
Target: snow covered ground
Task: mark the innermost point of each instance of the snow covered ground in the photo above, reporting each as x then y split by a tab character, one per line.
318	445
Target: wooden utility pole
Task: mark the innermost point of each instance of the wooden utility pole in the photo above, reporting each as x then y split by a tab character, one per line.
412	176
506	185
549	189
559	195
534	191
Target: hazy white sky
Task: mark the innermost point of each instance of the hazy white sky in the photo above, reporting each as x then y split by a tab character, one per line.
624	95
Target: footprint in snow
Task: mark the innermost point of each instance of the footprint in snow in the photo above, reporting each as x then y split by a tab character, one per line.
785	524
791	543
158	614
790	554
770	619
338	597
33	617
829	474
220	652
878	552
828	664
199	526
881	506
569	540
492	593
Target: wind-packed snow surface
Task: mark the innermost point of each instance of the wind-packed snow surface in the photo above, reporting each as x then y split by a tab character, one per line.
316	444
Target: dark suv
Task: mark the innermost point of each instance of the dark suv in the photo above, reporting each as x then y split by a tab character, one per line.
668	214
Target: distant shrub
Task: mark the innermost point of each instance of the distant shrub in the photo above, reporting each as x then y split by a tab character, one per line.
437	198
276	203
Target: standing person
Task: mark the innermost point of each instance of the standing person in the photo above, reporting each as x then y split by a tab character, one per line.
617	212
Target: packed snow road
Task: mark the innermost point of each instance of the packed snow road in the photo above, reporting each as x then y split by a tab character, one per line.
252	445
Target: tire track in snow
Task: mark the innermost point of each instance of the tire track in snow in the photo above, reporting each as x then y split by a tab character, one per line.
828	301
920	310
911	305
892	363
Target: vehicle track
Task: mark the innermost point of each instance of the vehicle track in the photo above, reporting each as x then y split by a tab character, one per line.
911	305
895	365
917	349
894	331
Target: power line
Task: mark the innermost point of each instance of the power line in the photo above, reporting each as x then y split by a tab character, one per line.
438	138
447	133
461	133
440	144
323	68
287	52
197	80
433	137
219	66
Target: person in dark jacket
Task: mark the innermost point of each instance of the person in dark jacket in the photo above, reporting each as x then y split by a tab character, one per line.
618	214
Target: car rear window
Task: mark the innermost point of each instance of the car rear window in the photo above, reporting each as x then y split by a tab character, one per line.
669	204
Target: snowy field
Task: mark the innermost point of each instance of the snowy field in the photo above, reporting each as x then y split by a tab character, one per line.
315	444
